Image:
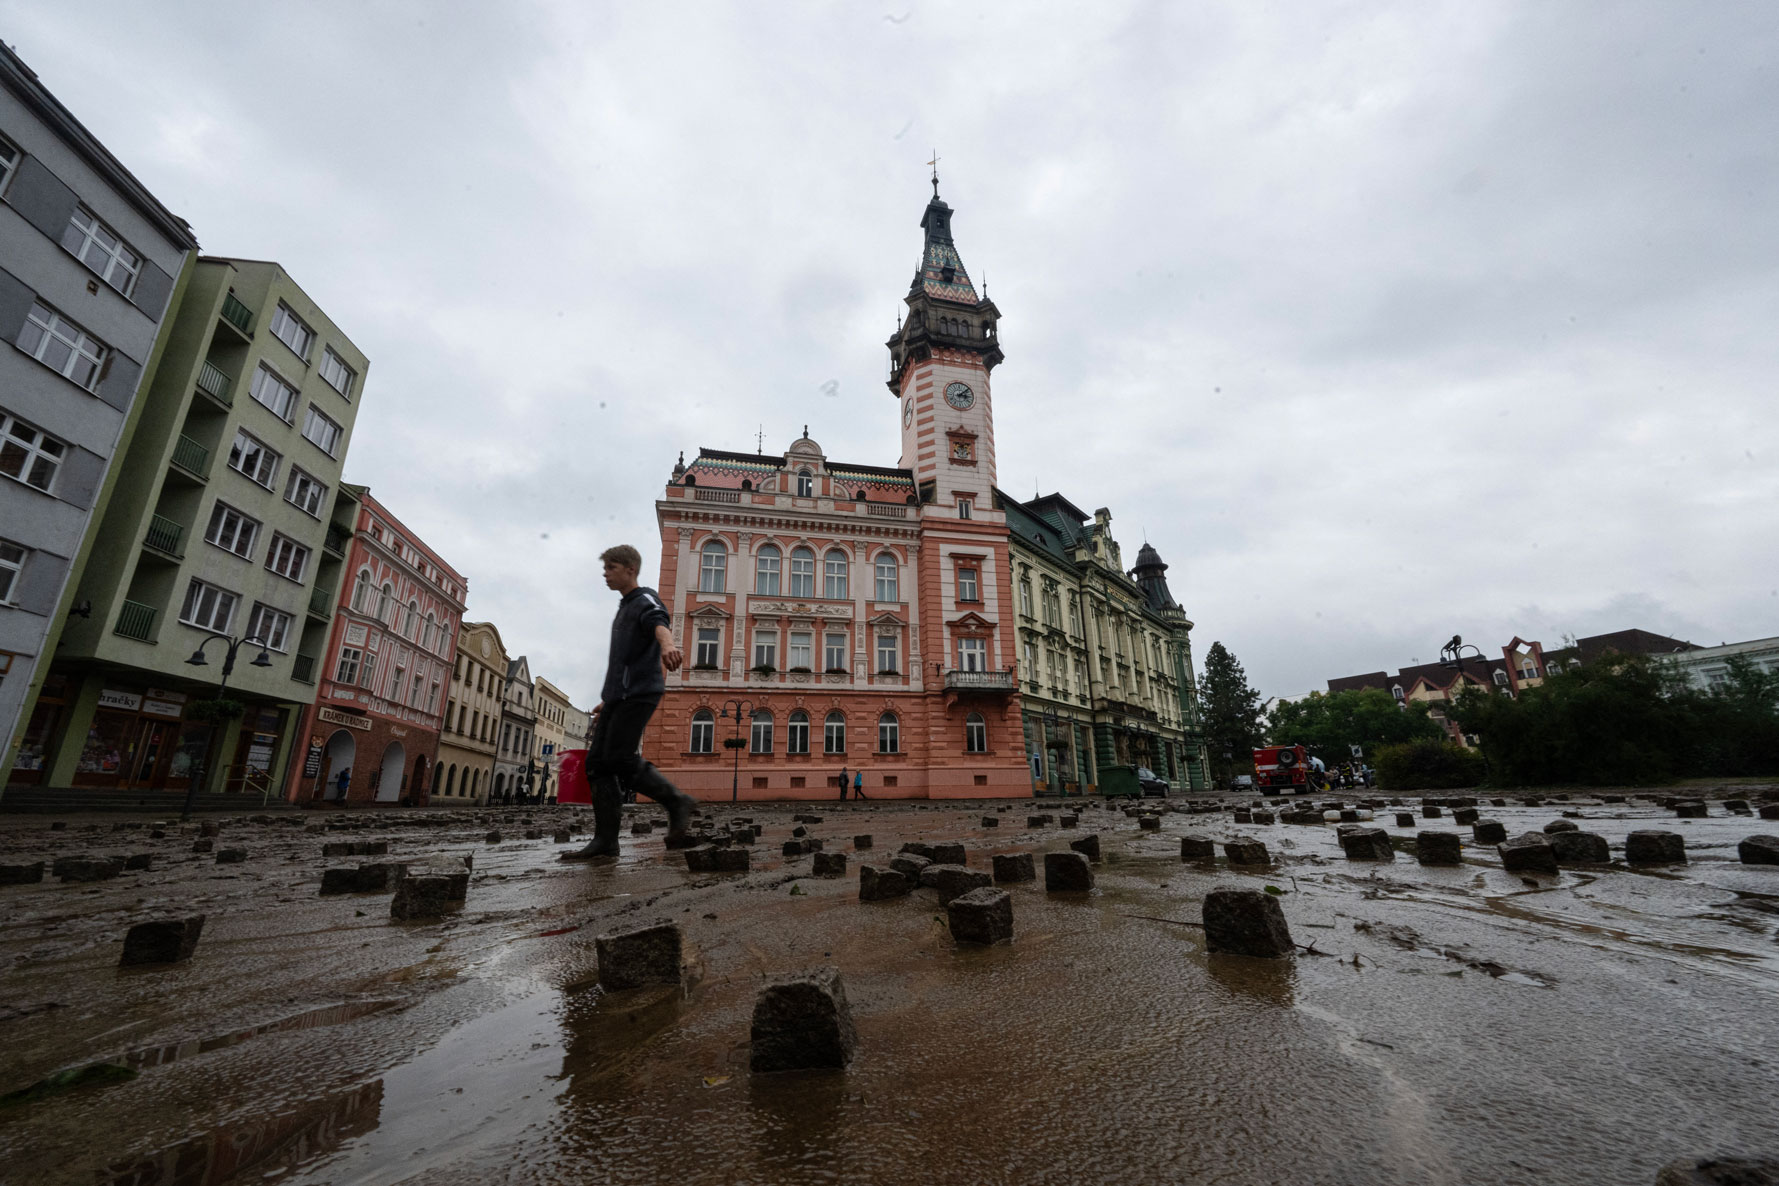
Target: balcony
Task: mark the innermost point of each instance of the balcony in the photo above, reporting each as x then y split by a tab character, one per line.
217	384
136	621
237	314
886	510
163	537
321	605
707	494
338	538
980	681
302	669
191	457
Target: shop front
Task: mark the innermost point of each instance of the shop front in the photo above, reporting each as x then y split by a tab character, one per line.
32	759
147	739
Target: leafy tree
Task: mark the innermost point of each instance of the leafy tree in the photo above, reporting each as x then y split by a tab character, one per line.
1331	723
1231	711
1428	765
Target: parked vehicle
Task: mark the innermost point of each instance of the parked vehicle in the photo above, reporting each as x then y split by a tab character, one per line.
1242	782
1151	784
1282	768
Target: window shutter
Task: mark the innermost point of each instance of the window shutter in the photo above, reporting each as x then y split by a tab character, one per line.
118	386
41	583
16	298
41	199
78	480
152	289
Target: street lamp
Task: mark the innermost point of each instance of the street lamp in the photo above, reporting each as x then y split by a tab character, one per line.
738	709
263	659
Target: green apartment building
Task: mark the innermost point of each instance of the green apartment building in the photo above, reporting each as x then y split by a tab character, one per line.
228	520
1104	655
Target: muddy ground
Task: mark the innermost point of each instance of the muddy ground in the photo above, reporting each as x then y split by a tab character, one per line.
1454	1025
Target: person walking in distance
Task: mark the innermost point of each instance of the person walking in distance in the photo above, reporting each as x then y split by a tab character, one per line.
858	785
842	784
642	650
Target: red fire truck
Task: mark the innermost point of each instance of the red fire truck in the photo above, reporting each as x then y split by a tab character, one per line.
1281	768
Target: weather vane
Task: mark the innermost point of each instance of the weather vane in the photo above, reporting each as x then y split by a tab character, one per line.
934	163
760	440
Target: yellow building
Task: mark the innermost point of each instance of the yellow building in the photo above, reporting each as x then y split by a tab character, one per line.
472	716
560	726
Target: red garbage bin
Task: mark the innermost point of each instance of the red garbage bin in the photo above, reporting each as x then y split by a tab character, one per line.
571	779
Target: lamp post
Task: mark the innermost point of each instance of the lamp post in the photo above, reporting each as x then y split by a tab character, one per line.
263	659
738	709
1452	655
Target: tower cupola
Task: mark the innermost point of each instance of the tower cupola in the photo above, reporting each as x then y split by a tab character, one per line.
944	310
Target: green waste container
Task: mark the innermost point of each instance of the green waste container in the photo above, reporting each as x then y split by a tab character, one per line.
1120	780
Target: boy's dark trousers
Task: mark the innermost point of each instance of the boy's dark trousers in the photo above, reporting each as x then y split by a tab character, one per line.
613	763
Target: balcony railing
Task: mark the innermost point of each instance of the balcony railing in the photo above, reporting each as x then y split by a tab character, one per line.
237	314
136	621
705	494
163	535
337	539
302	669
191	457
980	681
886	510
320	604
217	384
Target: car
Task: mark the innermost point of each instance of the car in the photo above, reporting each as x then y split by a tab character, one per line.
1242	782
1152	785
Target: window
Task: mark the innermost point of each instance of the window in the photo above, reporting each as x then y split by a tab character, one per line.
834	575
98	247
9	159
251	457
62	346
972	654
1075	617
304	492
796	733
412	622
433	636
834	651
12	556
709	639
889	734
886	654
805	484
287	558
270	626
704	731
759	738
975	734
232	531
1031	661
1529	671
713	568
1025	596
1501	678
802	572
208	607
801	655
384	597
288	328
766	565
765	648
1396	691
966	585
964	508
339	376
277	395
322	432
361	592
887	584
834	733
347	671
27	455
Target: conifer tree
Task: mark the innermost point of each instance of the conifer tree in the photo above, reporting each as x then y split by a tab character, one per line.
1231	712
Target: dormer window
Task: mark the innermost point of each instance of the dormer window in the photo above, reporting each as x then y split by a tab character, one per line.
805	484
948	274
1396	691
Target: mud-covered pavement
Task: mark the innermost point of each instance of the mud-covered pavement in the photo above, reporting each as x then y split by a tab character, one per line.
1454	1025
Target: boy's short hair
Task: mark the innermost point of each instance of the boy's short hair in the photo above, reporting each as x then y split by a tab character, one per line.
623	554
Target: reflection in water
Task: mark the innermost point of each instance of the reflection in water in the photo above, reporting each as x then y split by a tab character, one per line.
602	1030
1271	982
796	1117
156	1056
287	1139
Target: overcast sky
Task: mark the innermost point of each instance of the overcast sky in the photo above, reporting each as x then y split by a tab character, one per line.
1382	321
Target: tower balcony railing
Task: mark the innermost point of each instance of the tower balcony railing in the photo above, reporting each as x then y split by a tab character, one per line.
886	510
980	681
709	494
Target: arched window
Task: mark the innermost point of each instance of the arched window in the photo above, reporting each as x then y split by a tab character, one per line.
746	484
431	637
834	733
887	585
704	731
1500	677
802	572
412	625
766	565
805	484
796	733
834	575
759	738
450	780
889	734
361	592
713	569
860	495
975	734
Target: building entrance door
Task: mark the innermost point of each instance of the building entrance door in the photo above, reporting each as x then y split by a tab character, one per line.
389	779
153	754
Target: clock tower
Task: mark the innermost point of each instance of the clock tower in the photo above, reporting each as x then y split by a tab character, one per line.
940	359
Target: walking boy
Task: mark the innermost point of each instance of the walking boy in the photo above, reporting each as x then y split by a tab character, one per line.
642	648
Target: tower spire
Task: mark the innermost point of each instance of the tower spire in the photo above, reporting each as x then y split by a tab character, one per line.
934	164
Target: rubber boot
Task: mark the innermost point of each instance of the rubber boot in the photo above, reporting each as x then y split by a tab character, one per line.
607	815
651	782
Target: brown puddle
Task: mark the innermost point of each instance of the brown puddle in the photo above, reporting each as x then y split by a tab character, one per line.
157	1056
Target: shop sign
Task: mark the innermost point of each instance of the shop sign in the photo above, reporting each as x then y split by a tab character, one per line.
312	762
397	731
167	694
161	708
334	716
112	698
355	635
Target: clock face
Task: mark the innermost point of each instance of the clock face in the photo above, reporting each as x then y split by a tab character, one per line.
908	414
959	396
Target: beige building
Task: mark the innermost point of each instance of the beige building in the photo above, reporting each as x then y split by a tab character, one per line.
553	709
472	716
